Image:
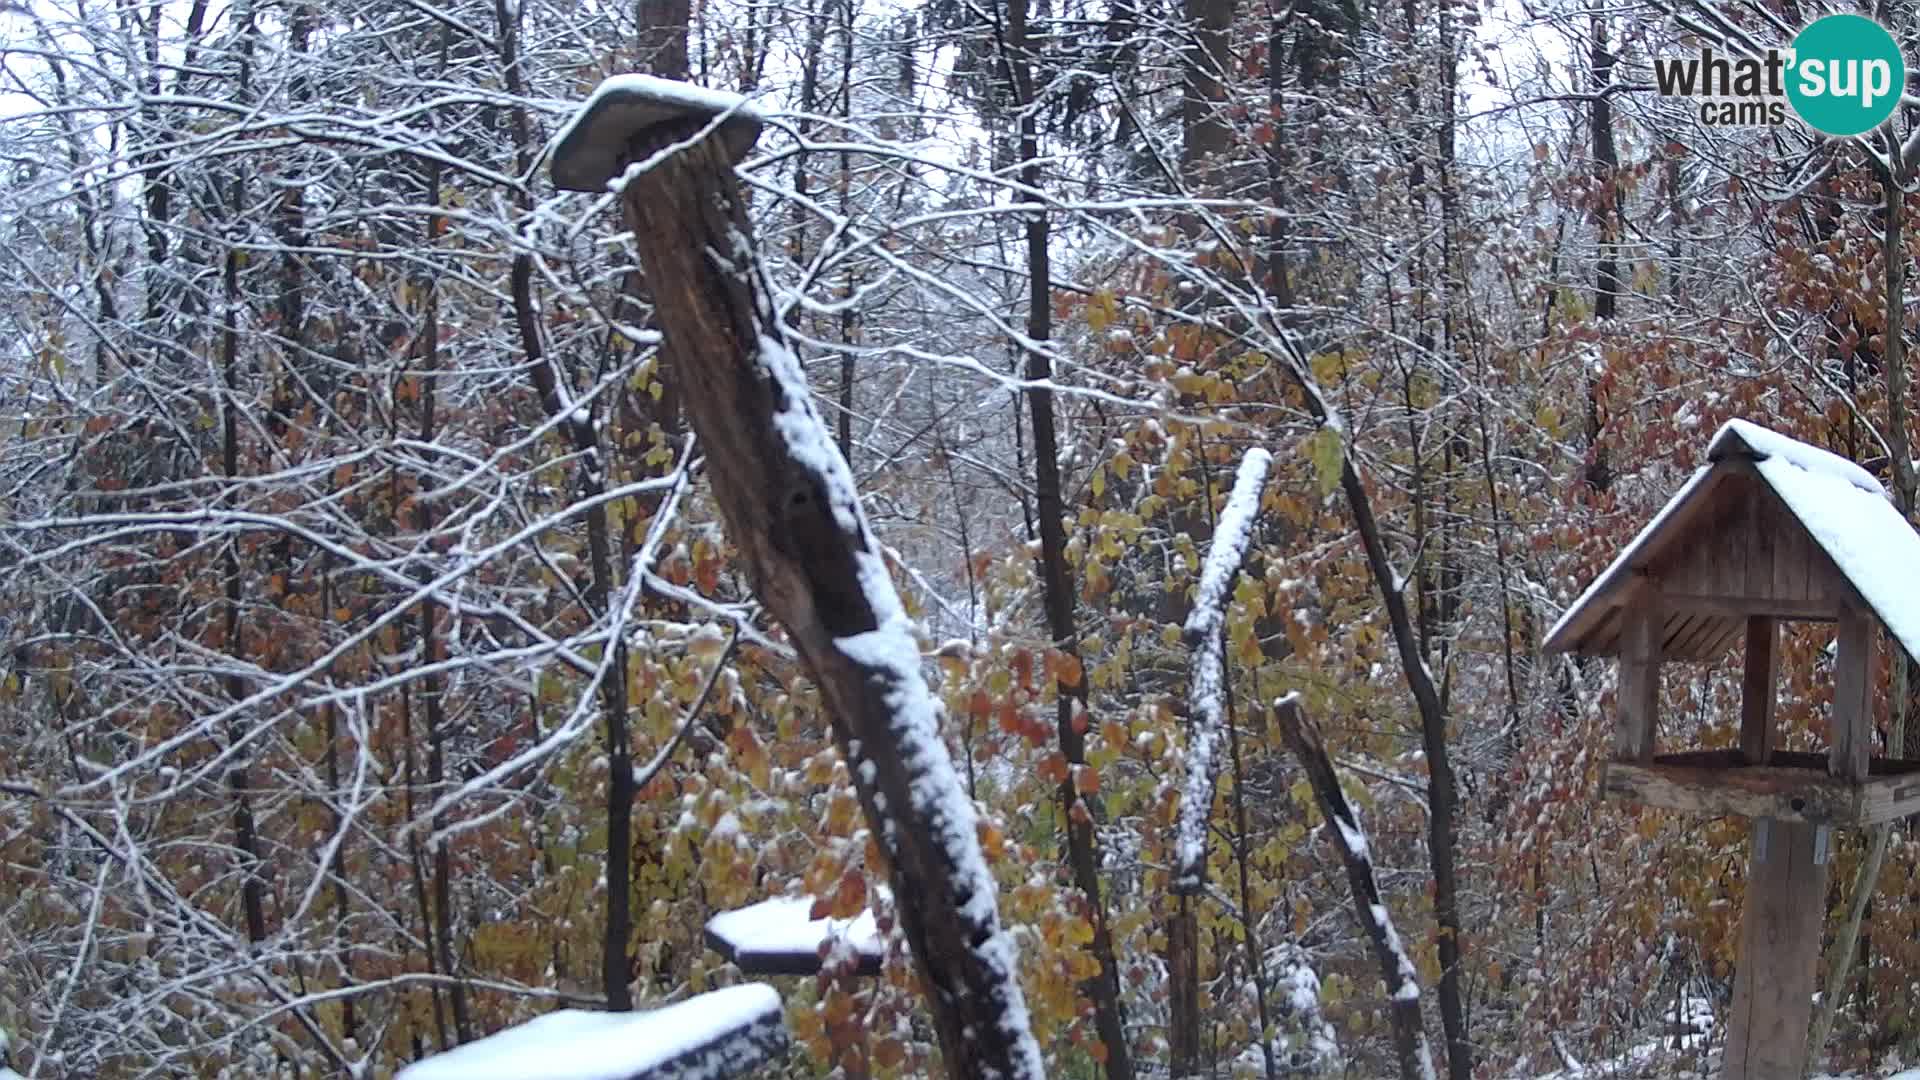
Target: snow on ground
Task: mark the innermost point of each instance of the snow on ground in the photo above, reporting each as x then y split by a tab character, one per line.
1669	1057
708	1037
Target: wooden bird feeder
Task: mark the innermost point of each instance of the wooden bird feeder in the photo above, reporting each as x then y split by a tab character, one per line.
1770	530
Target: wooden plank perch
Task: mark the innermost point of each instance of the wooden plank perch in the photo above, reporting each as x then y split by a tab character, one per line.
1396	968
790	507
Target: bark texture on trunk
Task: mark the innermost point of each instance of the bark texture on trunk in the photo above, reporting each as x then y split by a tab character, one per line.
786	497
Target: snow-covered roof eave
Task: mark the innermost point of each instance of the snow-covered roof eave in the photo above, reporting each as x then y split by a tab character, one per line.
1571	629
1844	509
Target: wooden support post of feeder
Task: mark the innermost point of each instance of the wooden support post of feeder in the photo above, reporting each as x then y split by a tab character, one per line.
1786	898
1638	701
790	508
1779	950
1761	534
1757	689
1852	716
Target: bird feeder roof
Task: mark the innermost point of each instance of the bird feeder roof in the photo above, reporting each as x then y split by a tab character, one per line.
712	1036
1769	526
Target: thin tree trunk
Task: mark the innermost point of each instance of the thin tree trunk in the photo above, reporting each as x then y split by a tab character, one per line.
848	317
1242	855
336	867
1396	969
1078	810
253	888
1606	287
1183	989
433	638
417	868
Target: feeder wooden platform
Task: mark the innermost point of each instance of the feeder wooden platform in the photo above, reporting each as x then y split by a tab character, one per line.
1791	787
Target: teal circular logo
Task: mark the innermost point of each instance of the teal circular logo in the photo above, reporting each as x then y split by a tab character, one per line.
1847	75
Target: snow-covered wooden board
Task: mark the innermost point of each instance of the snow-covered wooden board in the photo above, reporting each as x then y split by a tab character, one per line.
712	1036
780	936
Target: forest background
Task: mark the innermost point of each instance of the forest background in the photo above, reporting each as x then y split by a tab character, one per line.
375	674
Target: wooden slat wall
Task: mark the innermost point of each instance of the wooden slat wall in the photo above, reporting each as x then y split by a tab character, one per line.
1757	689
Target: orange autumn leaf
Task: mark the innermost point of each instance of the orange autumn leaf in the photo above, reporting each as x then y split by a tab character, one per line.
1068	670
1085	780
979	704
850	898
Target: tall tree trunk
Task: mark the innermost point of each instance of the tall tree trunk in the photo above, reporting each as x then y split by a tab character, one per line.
663	36
1606	202
1083	846
616	959
848	317
1442	793
1207	59
253	888
433	637
1841	955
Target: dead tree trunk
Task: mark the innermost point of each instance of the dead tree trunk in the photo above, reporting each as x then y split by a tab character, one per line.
1403	987
790	507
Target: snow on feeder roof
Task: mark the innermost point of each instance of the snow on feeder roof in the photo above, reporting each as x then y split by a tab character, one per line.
1769	526
592	150
780	936
712	1036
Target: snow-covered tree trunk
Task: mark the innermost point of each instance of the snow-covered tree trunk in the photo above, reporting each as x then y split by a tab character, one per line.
790	507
